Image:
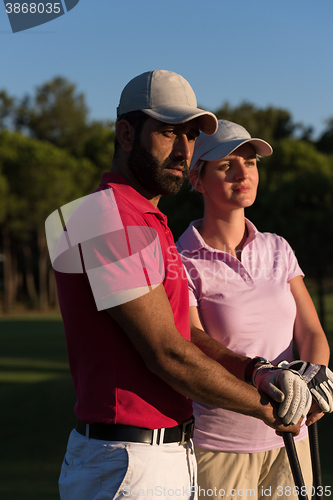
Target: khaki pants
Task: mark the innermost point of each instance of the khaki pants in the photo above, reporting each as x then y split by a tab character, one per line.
265	475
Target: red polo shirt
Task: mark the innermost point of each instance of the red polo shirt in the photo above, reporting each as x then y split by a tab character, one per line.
135	252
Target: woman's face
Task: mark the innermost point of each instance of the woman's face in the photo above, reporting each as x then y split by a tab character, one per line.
231	182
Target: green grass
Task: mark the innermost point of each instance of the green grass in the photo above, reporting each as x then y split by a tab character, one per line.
36	416
36	412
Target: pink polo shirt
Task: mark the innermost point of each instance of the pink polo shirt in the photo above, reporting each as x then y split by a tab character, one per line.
246	305
116	246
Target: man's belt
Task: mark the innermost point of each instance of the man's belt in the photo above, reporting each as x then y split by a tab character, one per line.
118	432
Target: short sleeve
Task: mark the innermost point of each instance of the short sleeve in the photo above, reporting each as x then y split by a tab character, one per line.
121	262
192	291
292	262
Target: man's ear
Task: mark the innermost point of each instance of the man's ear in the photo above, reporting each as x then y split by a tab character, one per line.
125	135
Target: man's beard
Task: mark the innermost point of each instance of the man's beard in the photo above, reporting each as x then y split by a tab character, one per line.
152	174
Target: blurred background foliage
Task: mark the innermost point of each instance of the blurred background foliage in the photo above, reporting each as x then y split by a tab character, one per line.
51	153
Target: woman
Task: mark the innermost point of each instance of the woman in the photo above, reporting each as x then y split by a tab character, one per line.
247	293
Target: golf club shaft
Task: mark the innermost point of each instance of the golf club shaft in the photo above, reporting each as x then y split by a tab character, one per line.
315	459
294	464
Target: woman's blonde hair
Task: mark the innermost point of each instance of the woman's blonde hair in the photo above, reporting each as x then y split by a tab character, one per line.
198	169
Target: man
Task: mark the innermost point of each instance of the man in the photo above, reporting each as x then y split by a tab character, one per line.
124	301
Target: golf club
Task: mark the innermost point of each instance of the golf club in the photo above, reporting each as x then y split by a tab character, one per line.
295	465
315	460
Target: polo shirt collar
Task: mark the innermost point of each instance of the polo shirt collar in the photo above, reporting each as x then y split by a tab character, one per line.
253	231
191	239
110	179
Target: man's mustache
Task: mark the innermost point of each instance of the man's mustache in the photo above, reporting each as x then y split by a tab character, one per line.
173	162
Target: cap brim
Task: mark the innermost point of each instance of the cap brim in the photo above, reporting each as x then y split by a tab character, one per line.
261	147
207	121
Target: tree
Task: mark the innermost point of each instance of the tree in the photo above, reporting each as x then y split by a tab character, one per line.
271	124
7	110
325	142
59	156
57	113
5	251
181	209
41	178
99	147
291	158
4	189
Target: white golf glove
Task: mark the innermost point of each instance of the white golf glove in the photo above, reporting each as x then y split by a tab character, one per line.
319	379
285	386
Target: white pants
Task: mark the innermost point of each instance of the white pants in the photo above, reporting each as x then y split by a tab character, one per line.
106	470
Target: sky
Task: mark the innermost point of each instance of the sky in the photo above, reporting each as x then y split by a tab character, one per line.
266	52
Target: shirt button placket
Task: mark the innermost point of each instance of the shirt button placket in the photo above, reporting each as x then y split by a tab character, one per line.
245	276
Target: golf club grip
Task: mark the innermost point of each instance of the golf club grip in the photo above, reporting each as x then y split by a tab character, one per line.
294	463
315	459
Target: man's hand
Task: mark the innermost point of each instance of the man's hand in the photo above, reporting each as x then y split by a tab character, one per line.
285	387
270	417
319	380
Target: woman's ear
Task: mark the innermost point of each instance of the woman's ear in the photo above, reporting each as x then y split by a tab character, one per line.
125	135
195	180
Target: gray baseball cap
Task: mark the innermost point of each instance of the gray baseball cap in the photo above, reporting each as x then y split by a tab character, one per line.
167	97
229	136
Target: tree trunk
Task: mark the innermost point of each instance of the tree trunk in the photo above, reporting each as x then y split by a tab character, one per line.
53	295
29	275
43	262
9	286
17	276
